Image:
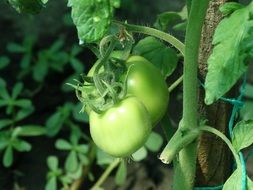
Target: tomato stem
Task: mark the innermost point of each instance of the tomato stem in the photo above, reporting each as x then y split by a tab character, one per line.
225	139
185	165
156	33
180	139
175	84
106	173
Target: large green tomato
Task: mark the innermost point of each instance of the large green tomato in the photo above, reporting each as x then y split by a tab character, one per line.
122	129
146	82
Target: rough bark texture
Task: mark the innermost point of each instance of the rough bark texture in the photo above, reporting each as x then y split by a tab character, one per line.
214	160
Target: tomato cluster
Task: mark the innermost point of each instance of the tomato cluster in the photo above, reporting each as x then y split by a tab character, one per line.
125	127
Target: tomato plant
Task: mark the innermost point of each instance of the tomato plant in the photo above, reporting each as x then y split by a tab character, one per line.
122	129
125	93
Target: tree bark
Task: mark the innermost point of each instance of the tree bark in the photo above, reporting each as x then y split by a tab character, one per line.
214	159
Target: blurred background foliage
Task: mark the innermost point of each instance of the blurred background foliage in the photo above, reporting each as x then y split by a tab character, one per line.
44	140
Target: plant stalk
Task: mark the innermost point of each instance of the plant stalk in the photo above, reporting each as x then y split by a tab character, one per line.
156	33
224	139
186	163
175	84
106	173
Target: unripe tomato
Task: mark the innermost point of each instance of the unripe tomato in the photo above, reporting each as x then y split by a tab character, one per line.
122	129
146	82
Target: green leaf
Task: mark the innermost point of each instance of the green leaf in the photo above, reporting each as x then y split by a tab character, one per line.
180	26
23	113
243	135
82	148
83	159
54	123
32	130
230	7
163	57
23	103
77	65
165	20
56	46
115	3
75	50
2	82
44	1
248	90
51	184
52	162
91	176
140	154
121	173
69	79
224	69
154	142
21	145
3	103
40	70
4	61
74	137
71	163
103	158
17	90
98	188
4	93
15	48
26	6
250	183
246	111
83	116
76	174
26	60
8	157
5	122
62	144
234	182
92	19
3	143
66	179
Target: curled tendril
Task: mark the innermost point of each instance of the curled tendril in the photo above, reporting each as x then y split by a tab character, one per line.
87	79
103	45
104	89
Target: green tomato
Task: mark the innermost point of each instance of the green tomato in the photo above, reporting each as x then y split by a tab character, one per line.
122	129
146	82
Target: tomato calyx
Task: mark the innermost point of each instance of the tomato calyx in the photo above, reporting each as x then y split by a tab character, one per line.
104	88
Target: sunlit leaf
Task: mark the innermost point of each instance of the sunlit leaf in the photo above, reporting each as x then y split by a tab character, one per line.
71	163
8	157
162	56
140	154
4	61
51	184
243	135
154	142
21	145
52	162
62	144
92	19
121	174
232	35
